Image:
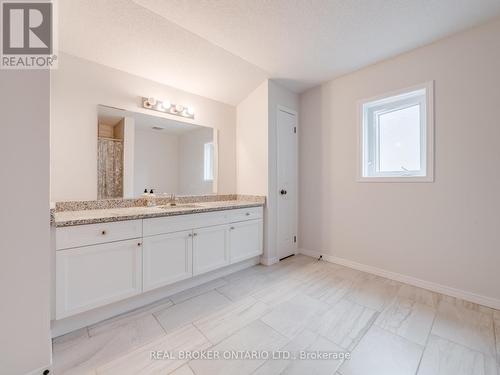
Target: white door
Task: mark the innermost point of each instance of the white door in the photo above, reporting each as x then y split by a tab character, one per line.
245	240
210	248
287	182
167	259
93	276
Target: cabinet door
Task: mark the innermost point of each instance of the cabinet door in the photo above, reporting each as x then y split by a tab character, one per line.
167	258
93	276
210	248
245	240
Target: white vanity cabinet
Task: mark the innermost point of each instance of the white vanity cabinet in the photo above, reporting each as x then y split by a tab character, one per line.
167	258
210	248
92	276
245	240
99	264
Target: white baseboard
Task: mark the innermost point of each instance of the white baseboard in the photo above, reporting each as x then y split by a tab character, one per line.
429	285
40	370
269	261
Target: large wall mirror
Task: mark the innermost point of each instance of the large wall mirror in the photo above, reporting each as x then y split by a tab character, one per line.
138	152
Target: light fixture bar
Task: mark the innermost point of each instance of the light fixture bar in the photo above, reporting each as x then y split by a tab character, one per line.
166	106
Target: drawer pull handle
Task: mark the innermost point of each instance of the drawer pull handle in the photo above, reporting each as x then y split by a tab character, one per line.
195	234
139	244
232	228
103	232
190	235
248	214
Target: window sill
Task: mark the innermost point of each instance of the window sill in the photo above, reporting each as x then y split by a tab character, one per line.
397	179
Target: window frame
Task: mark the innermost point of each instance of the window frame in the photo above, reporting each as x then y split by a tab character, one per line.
211	167
386	103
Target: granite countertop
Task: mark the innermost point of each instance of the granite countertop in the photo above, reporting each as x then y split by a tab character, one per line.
94	216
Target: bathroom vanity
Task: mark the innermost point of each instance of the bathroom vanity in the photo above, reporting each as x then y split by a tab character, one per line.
136	243
108	255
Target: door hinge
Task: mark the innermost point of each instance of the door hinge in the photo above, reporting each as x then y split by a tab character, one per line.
294	239
295	130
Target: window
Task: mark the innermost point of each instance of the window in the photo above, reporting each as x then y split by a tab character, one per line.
208	164
397	136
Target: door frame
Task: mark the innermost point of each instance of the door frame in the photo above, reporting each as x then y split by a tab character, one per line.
290	111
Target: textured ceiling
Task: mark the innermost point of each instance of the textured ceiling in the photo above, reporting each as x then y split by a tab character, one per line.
306	42
128	37
223	49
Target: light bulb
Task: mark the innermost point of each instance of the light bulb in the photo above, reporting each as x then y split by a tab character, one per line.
190	111
179	107
152	101
166	104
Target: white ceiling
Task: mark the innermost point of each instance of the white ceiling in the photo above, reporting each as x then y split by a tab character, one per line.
128	37
223	49
304	43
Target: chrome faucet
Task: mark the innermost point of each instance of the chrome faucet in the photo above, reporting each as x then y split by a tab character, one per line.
172	200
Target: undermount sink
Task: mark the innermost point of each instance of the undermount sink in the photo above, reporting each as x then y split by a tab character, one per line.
181	205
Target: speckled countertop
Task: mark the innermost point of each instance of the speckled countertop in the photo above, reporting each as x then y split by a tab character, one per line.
94	216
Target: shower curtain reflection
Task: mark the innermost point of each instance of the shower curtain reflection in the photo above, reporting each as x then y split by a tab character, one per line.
110	168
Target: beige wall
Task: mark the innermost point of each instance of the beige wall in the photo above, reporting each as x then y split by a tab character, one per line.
257	154
446	232
156	164
251	142
78	86
25	272
192	161
128	156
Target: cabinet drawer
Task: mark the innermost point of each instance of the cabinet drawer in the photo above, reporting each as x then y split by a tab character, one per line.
243	214
84	235
169	224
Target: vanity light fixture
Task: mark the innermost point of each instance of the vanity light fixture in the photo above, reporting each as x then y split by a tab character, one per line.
166	106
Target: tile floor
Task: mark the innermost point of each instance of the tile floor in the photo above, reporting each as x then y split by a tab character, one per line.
297	306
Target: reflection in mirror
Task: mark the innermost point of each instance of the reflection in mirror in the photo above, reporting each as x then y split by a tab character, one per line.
138	152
